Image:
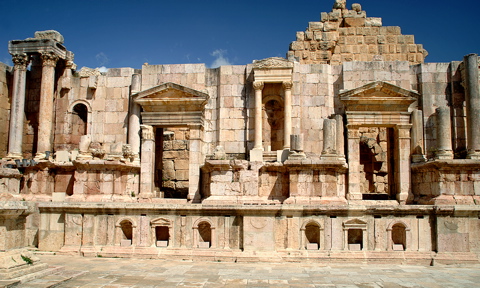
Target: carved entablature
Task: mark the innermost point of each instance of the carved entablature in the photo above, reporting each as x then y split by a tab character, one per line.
378	96
170	104
273	70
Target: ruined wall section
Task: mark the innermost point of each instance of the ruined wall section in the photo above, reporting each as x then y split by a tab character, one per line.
6	74
349	35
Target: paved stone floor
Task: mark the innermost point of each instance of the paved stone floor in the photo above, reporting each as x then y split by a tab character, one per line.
116	273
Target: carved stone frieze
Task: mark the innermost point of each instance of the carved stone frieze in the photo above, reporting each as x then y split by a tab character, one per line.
287	85
258	85
147	132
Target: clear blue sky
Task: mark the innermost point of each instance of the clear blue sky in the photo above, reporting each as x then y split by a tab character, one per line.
118	33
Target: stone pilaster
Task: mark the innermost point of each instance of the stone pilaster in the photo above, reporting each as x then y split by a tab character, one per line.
147	162
329	139
287	86
46	110
15	137
418	146
353	163
444	134
472	100
134	119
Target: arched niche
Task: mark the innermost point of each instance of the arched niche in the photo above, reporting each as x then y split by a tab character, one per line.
311	235
125	232
204	233
79	120
398	236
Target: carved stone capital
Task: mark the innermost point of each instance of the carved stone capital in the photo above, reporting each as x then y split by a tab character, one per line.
49	59
147	132
20	61
287	85
258	85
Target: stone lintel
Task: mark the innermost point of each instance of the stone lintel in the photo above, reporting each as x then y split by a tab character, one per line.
30	46
447	165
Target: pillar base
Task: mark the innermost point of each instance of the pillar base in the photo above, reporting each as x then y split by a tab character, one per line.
41	156
418	158
12	156
256	155
474	155
445	154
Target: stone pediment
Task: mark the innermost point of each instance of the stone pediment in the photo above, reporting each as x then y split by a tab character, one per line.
273	62
171	97
378	96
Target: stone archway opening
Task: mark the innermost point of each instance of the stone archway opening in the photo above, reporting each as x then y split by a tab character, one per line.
205	235
127	232
312	234
79	122
399	237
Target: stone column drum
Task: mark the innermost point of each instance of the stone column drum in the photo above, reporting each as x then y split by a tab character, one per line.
258	86
15	137
472	100
147	162
45	116
444	134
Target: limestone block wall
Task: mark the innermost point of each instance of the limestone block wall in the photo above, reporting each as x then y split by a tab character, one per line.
233	101
5	96
357	74
349	35
312	101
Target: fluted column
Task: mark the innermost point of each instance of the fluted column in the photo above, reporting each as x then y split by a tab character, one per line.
134	119
287	86
258	86
472	101
15	136
45	115
444	134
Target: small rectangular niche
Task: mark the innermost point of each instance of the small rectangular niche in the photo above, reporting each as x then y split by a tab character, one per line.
373	196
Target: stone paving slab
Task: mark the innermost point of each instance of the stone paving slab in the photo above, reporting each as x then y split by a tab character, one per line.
123	272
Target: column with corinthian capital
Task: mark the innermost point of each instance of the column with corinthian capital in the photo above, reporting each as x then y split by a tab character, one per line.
15	136
287	86
46	111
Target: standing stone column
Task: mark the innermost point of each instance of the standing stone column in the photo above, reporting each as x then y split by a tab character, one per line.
45	115
353	163
15	136
444	134
147	162
418	146
134	119
403	175
340	142
329	138
473	106
258	86
287	86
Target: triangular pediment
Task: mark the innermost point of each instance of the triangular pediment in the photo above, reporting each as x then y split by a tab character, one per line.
171	96
273	62
378	96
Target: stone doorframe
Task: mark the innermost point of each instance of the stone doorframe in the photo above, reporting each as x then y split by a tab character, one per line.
355	224
379	104
171	105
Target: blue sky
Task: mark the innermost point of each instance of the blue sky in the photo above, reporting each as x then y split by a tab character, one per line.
118	33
